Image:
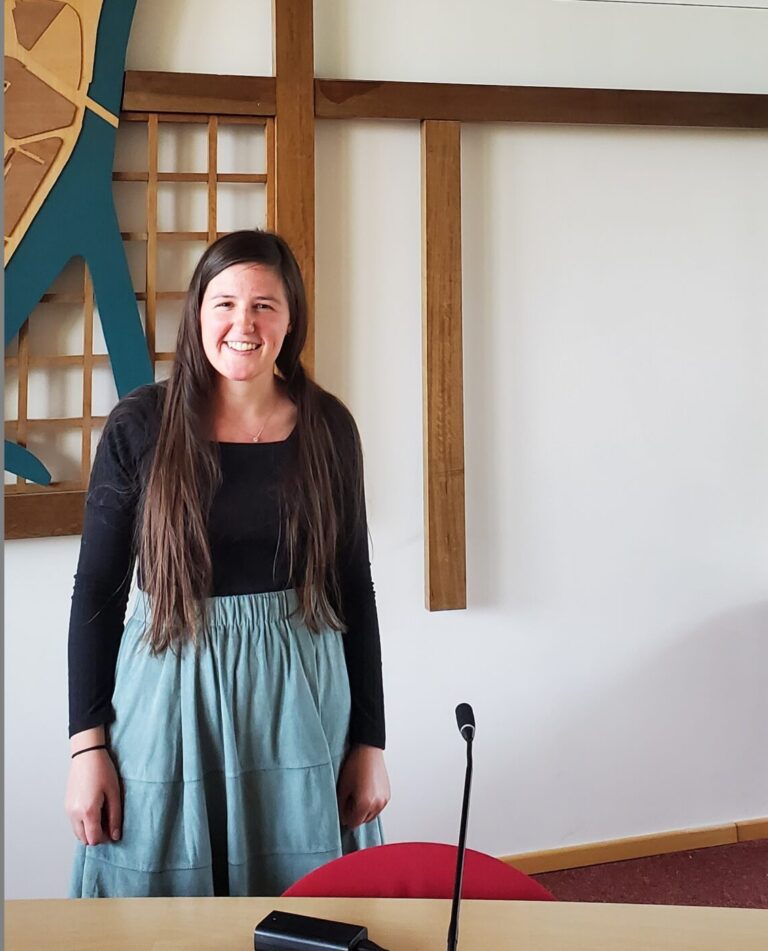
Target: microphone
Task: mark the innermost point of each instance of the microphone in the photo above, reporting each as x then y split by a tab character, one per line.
465	720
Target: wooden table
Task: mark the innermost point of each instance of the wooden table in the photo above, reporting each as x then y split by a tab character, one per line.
226	924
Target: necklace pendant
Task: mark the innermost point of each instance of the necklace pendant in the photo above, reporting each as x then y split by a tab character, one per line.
255	438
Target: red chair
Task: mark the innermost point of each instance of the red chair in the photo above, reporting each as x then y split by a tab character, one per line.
416	870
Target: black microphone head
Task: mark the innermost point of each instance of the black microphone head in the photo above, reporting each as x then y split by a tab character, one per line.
466	721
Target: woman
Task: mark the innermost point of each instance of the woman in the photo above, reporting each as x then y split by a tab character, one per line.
229	739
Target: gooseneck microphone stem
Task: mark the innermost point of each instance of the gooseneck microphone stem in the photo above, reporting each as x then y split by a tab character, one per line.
453	929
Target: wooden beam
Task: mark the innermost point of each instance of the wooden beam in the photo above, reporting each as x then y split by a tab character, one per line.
50	424
352	99
151	91
23	390
445	546
201	178
294	143
44	514
150	285
85	458
213	164
194	118
270	148
202	94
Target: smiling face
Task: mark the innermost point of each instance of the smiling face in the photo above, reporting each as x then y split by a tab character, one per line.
244	318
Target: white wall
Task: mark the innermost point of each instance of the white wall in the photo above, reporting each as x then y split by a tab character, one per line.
38	840
616	358
197	36
533	42
543	43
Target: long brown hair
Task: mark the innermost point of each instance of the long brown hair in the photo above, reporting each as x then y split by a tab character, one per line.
173	547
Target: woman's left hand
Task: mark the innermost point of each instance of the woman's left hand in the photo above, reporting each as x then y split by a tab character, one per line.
363	787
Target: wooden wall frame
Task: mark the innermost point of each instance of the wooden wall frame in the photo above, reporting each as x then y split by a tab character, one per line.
294	143
291	102
348	99
442	360
150	91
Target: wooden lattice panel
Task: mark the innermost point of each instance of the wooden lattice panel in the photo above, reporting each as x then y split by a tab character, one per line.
180	181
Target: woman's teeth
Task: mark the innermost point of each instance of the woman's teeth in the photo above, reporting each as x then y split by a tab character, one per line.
242	347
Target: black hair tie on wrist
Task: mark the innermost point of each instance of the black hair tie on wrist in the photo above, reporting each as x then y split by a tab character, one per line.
88	749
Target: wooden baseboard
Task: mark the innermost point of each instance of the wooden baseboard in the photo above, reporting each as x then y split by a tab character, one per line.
640	846
752	829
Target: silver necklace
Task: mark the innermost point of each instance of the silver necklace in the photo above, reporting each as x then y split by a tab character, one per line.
257	437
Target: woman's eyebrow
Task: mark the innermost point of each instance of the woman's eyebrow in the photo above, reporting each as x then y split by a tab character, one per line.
222	295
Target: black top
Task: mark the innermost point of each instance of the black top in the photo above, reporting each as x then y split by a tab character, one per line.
244	531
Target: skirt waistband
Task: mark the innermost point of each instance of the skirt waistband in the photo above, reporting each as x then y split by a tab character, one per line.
266	607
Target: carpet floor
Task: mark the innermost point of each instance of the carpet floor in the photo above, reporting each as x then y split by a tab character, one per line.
724	876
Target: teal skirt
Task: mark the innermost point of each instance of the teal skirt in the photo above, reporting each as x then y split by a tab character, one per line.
228	758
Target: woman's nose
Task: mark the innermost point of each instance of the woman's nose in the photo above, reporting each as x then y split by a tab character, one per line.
245	318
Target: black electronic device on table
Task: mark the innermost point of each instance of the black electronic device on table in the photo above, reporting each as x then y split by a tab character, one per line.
283	931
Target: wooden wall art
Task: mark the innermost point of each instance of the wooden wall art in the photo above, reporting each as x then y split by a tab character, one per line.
64	68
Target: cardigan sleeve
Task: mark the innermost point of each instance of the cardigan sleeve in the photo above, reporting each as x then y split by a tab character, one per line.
105	565
362	642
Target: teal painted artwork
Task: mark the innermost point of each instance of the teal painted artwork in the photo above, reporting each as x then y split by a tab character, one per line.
73	133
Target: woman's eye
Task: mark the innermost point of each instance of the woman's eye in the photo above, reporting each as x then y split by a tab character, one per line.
224	303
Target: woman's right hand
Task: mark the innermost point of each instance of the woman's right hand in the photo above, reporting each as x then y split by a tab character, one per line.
93	801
